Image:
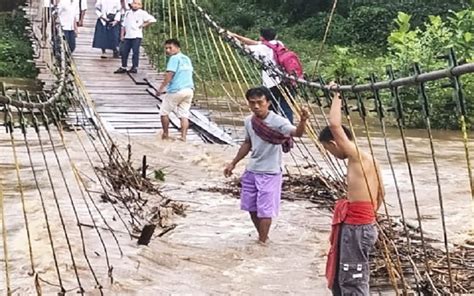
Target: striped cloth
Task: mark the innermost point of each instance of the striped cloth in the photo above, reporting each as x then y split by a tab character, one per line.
270	135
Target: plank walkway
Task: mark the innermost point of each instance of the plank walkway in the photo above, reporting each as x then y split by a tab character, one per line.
128	105
123	105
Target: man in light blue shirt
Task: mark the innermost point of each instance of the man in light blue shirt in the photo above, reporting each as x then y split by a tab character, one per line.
178	87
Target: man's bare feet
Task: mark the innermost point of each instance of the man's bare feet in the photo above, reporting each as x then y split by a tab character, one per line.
165	137
182	139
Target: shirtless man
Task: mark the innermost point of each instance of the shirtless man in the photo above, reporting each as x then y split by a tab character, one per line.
354	232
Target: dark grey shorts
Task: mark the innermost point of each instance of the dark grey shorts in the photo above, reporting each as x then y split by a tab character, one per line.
355	244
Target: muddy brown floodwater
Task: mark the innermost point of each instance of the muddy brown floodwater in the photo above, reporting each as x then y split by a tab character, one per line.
214	246
213	249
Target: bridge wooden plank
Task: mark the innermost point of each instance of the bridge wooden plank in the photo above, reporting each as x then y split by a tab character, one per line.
123	101
139	78
201	122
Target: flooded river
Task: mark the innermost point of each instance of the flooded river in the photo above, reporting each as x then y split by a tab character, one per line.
213	250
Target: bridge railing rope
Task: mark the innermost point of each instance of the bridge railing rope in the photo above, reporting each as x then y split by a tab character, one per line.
73	198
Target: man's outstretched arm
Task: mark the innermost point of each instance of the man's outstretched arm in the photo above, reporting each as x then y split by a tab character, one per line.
335	125
244	40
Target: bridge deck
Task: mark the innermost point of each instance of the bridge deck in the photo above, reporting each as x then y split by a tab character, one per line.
124	105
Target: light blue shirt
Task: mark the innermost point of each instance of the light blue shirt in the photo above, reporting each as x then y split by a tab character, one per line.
183	73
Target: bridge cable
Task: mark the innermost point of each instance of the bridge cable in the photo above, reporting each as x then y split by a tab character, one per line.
426	114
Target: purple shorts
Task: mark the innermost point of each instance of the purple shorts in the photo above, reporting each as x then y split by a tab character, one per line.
261	193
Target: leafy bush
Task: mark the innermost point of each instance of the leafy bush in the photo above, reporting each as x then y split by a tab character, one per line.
424	45
461	25
315	27
15	47
370	25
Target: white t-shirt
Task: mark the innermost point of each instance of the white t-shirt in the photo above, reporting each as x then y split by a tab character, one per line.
83	5
47	3
105	7
133	22
68	12
265	51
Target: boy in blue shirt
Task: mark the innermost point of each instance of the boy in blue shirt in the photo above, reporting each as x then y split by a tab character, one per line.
178	87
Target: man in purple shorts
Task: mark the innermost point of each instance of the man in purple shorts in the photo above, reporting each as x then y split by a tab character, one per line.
267	135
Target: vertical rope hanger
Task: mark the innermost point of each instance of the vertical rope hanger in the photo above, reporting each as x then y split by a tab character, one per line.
426	114
56	200
381	116
5	239
399	111
462	114
326	33
361	108
20	186
35	123
58	125
215	58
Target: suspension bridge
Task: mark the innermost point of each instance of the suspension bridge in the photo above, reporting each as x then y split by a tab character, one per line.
72	190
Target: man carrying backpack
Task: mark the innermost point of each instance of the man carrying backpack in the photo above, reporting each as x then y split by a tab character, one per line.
274	53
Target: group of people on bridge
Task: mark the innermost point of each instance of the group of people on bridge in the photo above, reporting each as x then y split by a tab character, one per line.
269	133
119	27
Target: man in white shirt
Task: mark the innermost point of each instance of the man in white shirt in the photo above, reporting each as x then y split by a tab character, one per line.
68	13
269	79
132	34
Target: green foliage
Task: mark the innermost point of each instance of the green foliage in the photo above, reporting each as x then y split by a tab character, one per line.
461	26
369	25
344	64
355	22
15	47
314	28
364	38
436	37
423	45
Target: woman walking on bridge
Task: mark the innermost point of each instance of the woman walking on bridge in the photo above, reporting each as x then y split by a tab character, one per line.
107	28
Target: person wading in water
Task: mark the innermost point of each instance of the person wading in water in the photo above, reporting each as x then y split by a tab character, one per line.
267	135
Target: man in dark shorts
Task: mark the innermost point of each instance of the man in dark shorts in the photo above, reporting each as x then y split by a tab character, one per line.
267	135
354	230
